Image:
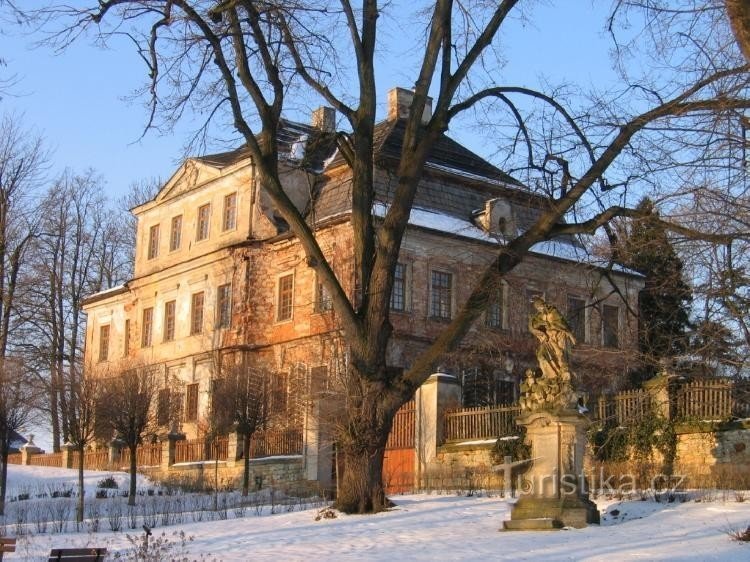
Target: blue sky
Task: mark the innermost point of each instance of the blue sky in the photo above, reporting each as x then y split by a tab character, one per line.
77	99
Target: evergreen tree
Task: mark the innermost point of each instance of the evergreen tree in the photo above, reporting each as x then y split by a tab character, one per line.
665	299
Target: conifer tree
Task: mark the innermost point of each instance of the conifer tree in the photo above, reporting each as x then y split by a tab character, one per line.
665	299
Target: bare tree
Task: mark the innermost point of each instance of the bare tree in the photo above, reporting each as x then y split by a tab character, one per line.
240	401
75	254
18	402
247	61
127	410
22	165
84	393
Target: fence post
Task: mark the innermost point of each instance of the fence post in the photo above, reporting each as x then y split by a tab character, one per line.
114	453
658	389
67	455
438	393
234	448
168	449
28	450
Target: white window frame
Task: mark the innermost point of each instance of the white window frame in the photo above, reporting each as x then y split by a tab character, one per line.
277	302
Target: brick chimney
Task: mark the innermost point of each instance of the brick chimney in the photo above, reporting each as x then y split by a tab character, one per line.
399	102
324	118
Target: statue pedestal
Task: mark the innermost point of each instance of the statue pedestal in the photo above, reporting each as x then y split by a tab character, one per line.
554	494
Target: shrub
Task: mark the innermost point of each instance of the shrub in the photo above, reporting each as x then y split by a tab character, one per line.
738	534
108	483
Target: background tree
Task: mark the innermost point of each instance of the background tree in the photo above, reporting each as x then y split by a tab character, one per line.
245	62
22	165
127	411
77	253
18	402
664	302
127	225
81	425
240	401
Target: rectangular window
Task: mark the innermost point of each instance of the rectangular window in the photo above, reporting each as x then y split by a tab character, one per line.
441	293
610	326
175	233
323	301
229	216
398	294
103	342
191	402
224	306
146	327
153	242
196	314
126	344
169	320
204	217
163	407
285	298
494	316
576	316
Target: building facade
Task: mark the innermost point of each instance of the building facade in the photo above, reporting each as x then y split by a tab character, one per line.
219	276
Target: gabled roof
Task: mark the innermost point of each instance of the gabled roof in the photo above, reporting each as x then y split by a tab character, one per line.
318	146
446	155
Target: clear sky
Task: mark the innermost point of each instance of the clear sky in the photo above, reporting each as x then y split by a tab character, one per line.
77	99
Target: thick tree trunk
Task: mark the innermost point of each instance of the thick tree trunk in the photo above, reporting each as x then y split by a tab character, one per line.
133	473
361	445
360	489
246	469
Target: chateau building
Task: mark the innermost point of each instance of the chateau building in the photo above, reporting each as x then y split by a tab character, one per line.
217	273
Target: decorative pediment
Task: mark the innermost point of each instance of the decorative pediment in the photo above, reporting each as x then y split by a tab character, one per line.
191	174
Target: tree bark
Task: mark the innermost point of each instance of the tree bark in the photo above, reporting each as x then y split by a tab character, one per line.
3	478
361	442
738	12
246	469
81	490
360	489
133	473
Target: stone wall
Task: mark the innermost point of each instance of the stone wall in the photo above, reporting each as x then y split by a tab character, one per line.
707	455
285	474
462	466
719	452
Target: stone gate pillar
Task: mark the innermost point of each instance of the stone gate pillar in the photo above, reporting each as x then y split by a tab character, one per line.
438	393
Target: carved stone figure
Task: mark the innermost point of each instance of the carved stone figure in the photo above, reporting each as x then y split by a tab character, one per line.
549	388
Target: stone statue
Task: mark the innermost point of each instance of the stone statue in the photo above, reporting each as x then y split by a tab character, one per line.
549	388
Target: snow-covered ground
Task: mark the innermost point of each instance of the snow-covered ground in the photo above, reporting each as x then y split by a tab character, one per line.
436	527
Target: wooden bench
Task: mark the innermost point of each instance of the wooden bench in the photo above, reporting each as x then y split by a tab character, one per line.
7	545
77	554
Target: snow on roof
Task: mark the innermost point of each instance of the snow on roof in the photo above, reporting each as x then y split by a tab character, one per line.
440	222
115	289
